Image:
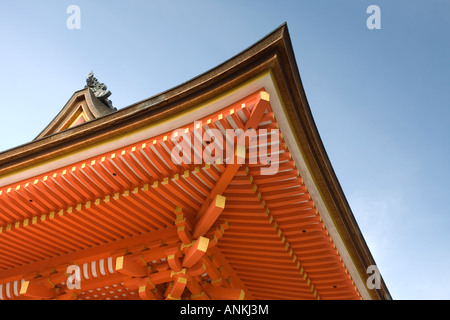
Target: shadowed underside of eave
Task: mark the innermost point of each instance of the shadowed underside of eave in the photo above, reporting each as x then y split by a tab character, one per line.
270	234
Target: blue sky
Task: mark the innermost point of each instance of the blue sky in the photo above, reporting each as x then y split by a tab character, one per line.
380	98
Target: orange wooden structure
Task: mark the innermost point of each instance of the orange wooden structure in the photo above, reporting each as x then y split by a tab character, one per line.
100	191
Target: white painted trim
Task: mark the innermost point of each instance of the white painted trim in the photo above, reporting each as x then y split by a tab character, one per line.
94	269
85	271
110	265
102	267
7	290
15	289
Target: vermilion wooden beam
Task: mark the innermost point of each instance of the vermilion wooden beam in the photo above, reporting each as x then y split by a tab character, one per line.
219	187
193	286
195	252
173	259
197	269
212	271
161	277
157	253
179	284
218	234
235	281
36	291
261	105
148	291
67	296
145	293
201	296
184	227
210	216
127	266
221	293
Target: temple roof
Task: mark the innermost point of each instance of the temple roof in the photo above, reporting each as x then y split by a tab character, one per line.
119	149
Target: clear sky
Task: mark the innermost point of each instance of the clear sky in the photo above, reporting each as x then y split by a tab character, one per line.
380	98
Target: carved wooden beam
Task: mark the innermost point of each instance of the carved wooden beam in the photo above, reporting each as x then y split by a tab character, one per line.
126	265
195	252
34	290
210	216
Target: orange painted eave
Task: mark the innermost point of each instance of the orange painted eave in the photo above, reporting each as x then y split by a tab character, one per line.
100	201
274	52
